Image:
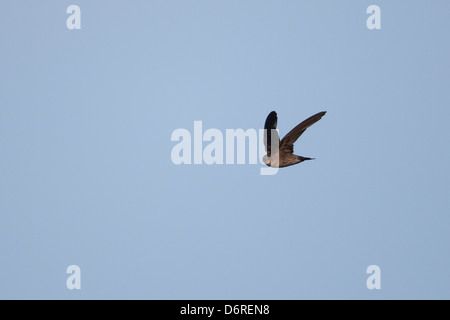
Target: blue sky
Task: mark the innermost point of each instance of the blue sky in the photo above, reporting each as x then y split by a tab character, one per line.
86	176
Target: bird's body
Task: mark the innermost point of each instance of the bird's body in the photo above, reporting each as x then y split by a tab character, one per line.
280	153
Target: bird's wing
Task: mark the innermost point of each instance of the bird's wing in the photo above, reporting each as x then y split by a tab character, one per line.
271	123
287	143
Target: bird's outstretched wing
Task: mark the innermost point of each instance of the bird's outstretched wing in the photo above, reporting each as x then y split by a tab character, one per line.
271	123
287	143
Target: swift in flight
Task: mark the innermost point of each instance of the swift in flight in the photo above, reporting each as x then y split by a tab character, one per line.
284	156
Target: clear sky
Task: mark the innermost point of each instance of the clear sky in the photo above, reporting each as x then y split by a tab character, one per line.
86	176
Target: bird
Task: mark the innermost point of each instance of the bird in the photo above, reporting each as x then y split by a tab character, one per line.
284	156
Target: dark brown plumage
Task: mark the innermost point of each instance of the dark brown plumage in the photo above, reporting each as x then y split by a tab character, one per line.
285	156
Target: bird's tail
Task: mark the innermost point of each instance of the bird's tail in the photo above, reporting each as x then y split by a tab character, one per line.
304	158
